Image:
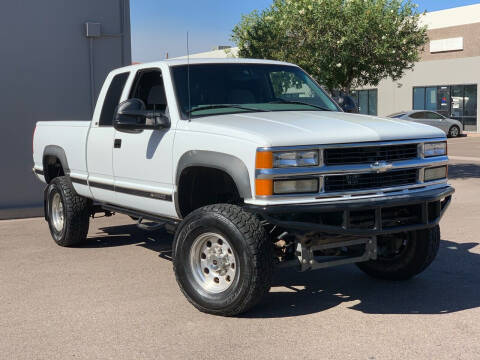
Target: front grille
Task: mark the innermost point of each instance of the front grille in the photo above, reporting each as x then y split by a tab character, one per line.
369	154
366	181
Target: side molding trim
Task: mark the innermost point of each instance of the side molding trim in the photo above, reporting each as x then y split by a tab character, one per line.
123	190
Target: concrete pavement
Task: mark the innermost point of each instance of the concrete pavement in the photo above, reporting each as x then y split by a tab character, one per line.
116	298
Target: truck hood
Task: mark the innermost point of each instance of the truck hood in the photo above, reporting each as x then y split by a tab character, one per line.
284	128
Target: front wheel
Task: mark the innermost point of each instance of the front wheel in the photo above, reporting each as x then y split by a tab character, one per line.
454	131
402	256
67	212
223	260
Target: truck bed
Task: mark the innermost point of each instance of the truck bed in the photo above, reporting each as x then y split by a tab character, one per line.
69	135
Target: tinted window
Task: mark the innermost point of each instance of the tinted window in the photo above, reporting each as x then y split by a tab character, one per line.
112	98
418	115
418	98
372	102
397	116
455	101
432	115
363	102
470	107
366	101
249	87
431	98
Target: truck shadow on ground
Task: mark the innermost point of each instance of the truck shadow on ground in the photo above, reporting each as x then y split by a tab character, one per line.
450	284
112	236
463	171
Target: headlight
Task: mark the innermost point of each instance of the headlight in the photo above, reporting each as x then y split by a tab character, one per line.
295	186
295	158
435	173
434	149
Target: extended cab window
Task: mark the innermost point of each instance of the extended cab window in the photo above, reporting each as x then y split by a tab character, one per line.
112	98
148	87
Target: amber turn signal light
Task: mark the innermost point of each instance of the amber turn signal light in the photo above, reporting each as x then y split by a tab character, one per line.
264	160
264	187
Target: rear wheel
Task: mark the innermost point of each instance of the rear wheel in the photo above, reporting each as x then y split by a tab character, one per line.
223	260
454	131
68	213
402	256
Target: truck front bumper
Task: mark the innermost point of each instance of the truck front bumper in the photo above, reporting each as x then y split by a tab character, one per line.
362	217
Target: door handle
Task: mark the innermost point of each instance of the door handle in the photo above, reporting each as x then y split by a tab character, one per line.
117	144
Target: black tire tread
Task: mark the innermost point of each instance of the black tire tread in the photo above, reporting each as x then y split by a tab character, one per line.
433	236
425	251
77	213
260	248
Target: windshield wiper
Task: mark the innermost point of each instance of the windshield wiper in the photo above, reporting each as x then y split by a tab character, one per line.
221	106
283	101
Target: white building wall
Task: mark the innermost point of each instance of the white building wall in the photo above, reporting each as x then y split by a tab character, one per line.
452	17
398	96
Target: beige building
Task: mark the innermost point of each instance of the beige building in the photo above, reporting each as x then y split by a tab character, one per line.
445	80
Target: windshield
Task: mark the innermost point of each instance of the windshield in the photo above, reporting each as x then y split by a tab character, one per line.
247	88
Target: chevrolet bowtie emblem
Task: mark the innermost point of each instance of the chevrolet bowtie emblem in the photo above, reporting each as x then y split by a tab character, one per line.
381	166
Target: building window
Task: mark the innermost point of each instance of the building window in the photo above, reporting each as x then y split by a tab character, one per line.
419	98
453	101
366	101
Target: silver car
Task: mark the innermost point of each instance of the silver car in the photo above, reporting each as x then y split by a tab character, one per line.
452	127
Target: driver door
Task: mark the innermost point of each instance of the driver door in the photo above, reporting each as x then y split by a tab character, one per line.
142	160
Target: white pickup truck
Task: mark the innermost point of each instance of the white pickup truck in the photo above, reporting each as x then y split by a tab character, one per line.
252	166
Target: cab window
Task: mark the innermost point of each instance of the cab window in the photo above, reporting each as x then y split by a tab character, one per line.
112	98
148	86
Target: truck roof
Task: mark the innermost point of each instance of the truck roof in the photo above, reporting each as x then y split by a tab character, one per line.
192	61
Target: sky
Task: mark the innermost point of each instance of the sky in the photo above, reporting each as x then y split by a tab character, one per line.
160	26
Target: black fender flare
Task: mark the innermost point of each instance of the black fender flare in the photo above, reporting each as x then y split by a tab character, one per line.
59	153
230	164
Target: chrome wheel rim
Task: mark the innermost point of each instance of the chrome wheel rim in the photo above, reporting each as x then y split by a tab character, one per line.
213	262
454	132
57	212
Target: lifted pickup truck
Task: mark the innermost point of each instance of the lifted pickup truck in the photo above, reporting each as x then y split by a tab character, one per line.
251	165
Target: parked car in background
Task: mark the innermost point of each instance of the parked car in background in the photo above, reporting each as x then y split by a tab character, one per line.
452	127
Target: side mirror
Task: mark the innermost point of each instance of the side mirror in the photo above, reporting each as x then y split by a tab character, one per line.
131	115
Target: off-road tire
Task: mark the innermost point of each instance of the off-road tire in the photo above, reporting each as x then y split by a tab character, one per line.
420	252
454	131
254	252
76	213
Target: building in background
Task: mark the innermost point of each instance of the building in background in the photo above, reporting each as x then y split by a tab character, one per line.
219	52
55	56
446	79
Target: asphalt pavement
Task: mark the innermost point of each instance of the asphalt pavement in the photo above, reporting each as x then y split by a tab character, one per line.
116	297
